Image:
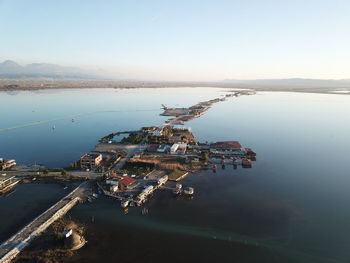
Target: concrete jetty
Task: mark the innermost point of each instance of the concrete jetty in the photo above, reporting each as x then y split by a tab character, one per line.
15	244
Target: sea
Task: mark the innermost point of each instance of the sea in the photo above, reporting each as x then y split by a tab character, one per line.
291	206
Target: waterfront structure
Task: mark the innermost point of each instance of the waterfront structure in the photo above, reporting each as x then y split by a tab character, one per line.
90	160
127	183
226	146
161	181
6	164
6	183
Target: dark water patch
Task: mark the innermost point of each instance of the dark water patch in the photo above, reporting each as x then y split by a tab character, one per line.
26	203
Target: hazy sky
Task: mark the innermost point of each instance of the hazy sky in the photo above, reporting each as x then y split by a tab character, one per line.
182	39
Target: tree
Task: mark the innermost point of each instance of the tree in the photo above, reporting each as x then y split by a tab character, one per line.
63	172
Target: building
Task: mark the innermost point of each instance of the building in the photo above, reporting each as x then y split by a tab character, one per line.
112	181
113	188
90	161
6	164
174	148
127	183
161	181
226	146
158	131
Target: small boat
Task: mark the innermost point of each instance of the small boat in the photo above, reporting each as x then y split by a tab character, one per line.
72	120
53	127
188	191
237	160
89	200
95	195
246	162
124	203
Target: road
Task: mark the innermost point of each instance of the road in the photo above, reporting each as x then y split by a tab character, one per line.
22	238
130	151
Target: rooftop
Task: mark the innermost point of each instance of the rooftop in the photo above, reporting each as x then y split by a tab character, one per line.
127	181
226	145
91	155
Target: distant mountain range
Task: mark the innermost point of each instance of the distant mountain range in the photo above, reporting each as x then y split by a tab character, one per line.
298	82
11	70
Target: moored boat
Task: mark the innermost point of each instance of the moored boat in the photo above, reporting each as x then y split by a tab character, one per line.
124	203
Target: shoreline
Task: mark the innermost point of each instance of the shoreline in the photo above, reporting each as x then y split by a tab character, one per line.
7	85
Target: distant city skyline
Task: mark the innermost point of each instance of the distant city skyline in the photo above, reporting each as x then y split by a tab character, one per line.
182	40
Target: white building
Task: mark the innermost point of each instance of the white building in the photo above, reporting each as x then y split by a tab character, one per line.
174	148
113	188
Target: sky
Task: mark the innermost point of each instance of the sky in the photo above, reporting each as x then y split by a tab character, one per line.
204	40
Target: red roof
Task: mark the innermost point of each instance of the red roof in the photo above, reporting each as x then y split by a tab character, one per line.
126	181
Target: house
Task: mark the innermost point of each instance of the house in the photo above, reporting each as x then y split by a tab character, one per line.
127	183
174	148
182	148
227	147
90	160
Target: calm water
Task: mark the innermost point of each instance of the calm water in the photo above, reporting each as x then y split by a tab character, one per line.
96	113
24	204
292	206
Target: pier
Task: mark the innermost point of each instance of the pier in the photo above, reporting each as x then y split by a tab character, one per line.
15	244
7	183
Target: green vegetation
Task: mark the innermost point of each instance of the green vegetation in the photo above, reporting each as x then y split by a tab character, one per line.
135	170
133	138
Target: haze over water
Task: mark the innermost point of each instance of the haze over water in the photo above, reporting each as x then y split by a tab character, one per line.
292	206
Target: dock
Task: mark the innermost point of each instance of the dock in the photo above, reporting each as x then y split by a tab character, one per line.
15	244
7	183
